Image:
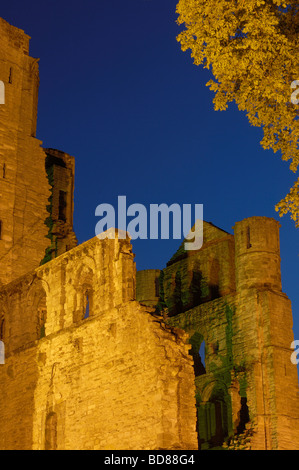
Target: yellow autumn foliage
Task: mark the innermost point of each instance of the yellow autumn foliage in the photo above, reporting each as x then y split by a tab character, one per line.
252	49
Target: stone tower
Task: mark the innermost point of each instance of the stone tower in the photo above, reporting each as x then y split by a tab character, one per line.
24	188
228	297
24	184
265	322
257	253
86	366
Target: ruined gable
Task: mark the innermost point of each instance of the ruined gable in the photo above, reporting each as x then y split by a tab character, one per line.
227	296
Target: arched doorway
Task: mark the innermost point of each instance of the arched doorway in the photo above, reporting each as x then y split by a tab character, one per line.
213	419
51	432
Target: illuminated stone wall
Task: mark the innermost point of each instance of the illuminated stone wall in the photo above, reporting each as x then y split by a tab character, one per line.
87	367
228	297
24	188
31	228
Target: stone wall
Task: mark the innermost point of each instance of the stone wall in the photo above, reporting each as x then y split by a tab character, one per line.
27	235
22	161
89	367
108	376
148	287
246	385
60	169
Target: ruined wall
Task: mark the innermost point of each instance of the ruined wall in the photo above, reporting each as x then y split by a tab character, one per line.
148	287
60	168
238	318
264	315
87	366
24	188
198	276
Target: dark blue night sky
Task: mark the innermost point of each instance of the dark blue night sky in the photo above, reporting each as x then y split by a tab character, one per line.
118	94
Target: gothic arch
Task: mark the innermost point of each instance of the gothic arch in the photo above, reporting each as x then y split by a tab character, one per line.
83	290
213	414
37	305
212	385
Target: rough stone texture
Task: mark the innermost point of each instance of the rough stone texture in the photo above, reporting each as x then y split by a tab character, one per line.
24	188
247	393
147	287
119	379
86	366
89	367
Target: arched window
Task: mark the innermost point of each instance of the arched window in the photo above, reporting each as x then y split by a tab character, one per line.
218	418
51	432
84	302
83	293
196	292
202	354
41	318
198	352
87	299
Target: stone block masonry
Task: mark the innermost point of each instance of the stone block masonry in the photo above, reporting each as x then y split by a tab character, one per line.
228	297
119	378
24	188
200	359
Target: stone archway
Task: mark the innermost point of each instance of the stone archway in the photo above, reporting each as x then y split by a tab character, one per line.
213	412
51	432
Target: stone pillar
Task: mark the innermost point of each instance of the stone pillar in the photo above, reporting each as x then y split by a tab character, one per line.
23	181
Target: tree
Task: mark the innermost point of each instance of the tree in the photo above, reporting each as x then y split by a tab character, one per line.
252	48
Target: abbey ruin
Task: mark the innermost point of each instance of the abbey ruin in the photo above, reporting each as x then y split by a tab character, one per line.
99	357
